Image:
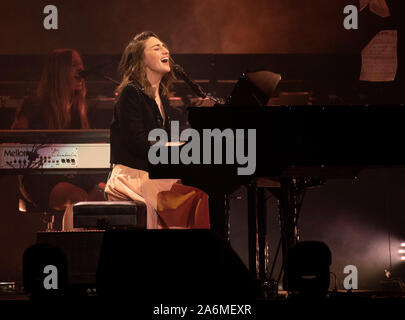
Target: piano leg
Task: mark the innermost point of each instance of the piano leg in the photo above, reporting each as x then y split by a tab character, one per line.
219	214
288	219
257	232
252	229
261	233
257	240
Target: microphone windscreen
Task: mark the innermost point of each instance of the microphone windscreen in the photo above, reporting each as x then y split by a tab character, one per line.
179	71
83	73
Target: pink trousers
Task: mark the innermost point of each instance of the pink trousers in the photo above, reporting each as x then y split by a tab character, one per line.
169	203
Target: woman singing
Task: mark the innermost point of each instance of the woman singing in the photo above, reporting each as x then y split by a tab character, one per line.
60	100
141	106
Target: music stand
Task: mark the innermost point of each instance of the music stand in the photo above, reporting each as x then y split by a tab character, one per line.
254	89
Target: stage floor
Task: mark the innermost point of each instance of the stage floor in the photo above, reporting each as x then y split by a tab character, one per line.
357	305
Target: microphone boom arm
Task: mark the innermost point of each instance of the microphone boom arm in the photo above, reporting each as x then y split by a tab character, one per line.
180	73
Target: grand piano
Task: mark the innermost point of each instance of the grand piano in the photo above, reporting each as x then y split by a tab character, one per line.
296	147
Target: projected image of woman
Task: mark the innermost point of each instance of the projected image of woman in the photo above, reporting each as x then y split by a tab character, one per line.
59	103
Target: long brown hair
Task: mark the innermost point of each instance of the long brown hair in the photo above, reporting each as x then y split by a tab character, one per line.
56	91
132	67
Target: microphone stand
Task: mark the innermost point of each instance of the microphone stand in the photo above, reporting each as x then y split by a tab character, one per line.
201	93
216	100
196	87
181	74
101	75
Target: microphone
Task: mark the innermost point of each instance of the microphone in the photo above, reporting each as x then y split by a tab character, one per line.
84	73
181	74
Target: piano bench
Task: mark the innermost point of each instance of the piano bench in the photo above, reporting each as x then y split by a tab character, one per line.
102	215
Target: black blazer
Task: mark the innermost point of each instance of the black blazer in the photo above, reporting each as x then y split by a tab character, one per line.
135	115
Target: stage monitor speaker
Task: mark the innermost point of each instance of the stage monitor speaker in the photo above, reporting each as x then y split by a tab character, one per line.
171	265
308	273
82	250
254	89
45	271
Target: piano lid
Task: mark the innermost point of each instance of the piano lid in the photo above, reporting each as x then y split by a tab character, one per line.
254	89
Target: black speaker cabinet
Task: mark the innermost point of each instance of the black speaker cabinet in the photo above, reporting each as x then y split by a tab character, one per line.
153	265
82	252
44	271
171	265
308	268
